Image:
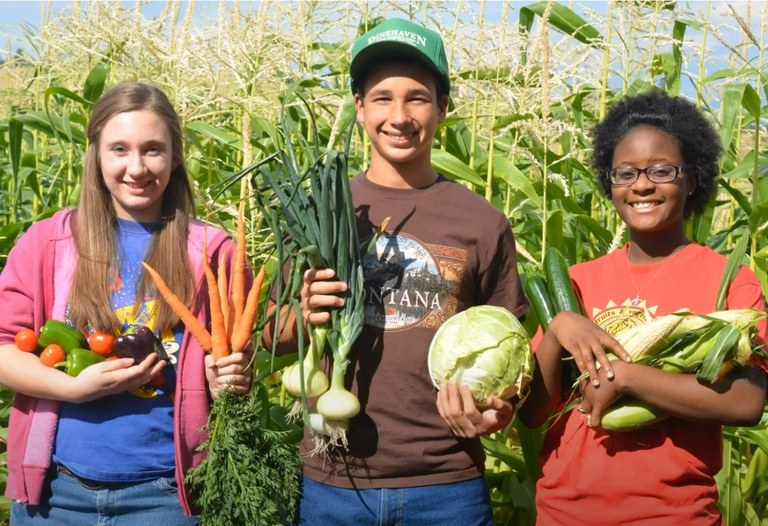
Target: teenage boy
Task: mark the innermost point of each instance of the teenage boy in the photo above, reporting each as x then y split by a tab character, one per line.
414	455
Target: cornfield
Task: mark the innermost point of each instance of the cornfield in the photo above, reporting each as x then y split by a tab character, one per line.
529	82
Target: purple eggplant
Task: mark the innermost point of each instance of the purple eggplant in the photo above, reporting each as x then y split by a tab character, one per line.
139	344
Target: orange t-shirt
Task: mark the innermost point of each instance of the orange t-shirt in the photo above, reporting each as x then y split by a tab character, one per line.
662	474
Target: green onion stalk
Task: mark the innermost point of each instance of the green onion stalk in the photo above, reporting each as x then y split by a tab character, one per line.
306	196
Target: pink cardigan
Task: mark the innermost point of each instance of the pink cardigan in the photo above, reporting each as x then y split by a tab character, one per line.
31	293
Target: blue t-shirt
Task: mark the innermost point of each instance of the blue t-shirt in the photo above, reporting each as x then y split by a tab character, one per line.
127	436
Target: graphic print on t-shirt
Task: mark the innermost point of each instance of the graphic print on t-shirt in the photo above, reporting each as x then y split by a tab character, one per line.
409	283
133	242
615	319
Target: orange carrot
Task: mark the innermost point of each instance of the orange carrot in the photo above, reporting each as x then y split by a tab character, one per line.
242	332
195	326
223	285
218	329
230	321
238	266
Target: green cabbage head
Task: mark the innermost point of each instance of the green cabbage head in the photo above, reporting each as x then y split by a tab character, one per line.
484	347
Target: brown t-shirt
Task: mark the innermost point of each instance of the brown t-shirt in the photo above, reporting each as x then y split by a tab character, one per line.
445	249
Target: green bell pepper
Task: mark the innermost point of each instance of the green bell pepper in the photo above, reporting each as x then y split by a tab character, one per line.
58	332
78	359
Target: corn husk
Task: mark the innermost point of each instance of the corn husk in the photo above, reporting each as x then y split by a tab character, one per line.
709	345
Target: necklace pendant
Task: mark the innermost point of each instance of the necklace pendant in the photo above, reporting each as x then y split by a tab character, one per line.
636	301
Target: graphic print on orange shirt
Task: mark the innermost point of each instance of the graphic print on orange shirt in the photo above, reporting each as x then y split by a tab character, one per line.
615	319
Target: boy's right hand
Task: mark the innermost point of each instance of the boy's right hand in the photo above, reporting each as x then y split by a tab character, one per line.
319	294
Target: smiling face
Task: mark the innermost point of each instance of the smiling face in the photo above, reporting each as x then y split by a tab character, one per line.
136	161
400	112
648	207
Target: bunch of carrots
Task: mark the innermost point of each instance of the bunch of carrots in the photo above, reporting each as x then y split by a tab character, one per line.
232	315
240	446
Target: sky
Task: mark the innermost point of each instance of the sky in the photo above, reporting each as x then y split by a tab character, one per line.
14	12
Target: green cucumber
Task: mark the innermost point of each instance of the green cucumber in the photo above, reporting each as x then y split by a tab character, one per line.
538	295
559	282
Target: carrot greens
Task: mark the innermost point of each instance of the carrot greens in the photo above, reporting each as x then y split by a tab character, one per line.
251	473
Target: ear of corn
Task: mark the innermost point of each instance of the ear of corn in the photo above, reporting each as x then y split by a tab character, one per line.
630	413
688	351
708	345
649	338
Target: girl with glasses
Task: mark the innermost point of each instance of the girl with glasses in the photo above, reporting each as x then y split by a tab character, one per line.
656	158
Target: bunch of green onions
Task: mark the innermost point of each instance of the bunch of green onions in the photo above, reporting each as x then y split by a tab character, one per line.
312	217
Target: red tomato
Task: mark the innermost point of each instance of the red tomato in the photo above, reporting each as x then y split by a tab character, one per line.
26	340
101	342
52	355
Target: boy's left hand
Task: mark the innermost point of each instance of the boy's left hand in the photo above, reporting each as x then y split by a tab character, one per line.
459	410
230	372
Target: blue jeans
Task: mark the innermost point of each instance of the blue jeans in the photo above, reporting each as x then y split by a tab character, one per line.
466	503
69	502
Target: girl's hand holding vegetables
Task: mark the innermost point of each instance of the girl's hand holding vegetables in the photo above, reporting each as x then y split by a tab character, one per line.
318	294
458	408
230	372
587	343
24	372
737	399
596	399
113	376
574	334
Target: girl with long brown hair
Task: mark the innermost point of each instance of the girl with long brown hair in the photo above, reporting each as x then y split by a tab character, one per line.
116	440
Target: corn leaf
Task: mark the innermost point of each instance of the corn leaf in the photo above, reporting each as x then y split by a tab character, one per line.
507	455
94	84
758	219
757	469
739	197
15	132
728	488
712	363
511	174
453	168
564	19
735	98
731	269
530	444
217	134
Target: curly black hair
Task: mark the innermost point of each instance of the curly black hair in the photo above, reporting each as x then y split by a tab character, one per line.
698	141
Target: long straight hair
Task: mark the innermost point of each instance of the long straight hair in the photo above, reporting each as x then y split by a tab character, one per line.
94	225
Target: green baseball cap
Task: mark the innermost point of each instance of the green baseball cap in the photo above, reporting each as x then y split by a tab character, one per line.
398	36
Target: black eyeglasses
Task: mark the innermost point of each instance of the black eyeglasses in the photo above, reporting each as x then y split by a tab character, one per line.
626	175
